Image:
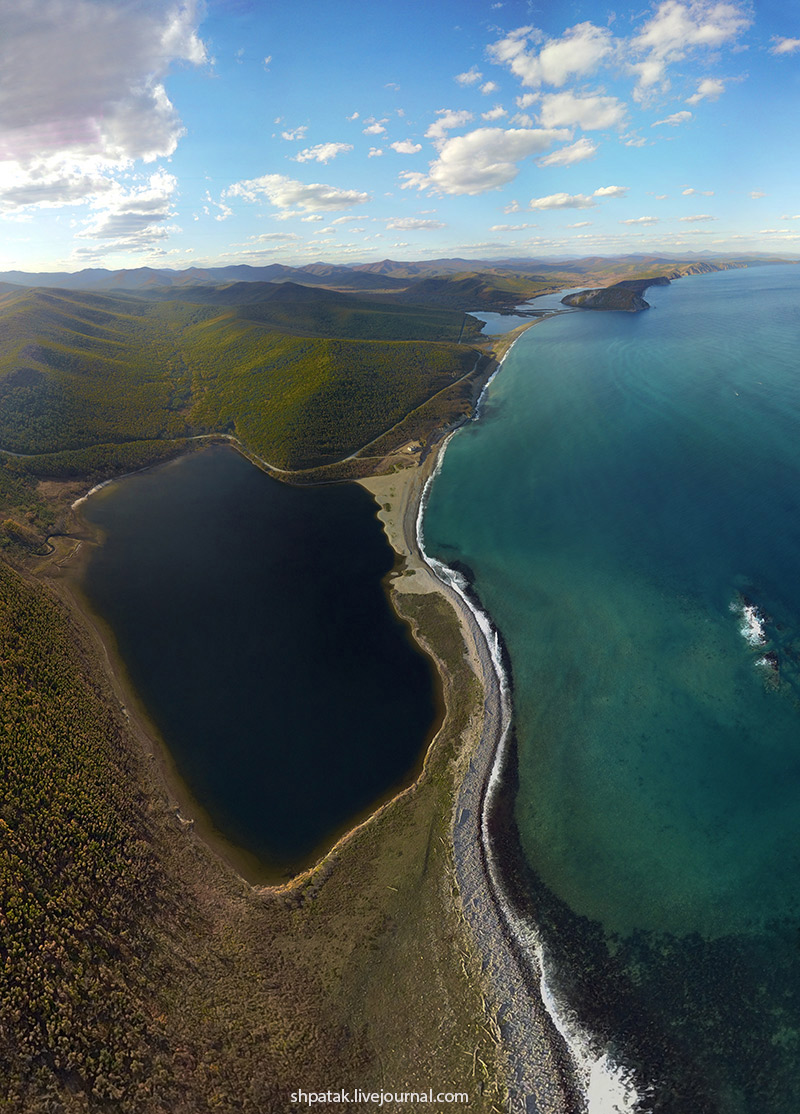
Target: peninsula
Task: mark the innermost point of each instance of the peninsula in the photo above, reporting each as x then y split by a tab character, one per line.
145	969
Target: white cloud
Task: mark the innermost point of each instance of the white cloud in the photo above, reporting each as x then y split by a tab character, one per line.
563	201
784	46
796	217
448	119
512	227
527	99
678	28
584	148
83	94
136	217
756	194
580	224
322	152
406	147
674	120
284	193
414	224
709	88
701	216
640	220
590	113
375	152
489	87
577	200
578	52
496	113
295	133
414	179
375	128
273	237
471	77
611	191
688	192
486	159
353	117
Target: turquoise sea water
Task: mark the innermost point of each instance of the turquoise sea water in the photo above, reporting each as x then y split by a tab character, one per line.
629	505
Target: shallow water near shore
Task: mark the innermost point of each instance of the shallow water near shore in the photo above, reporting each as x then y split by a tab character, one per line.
629	504
252	621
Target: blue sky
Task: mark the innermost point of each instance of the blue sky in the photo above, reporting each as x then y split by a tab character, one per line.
162	134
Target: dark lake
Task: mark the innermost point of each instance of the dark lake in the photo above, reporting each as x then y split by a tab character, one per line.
253	623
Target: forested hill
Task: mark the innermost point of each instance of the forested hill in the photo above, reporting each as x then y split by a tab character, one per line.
302	377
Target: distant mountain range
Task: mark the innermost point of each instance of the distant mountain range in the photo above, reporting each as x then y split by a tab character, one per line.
387	276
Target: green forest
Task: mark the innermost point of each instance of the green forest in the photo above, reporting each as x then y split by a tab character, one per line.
301	378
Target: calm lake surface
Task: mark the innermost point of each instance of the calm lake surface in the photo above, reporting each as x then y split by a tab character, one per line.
253	623
629	504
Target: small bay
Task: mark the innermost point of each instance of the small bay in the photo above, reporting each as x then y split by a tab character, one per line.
254	626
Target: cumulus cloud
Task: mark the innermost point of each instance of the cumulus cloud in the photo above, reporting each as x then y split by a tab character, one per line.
414	224
674	120
471	77
563	201
496	113
611	191
678	28
286	193
134	218
448	119
784	46
580	224
406	147
294	134
709	88
82	93
374	127
576	152
489	87
590	113
577	200
640	220
578	52
375	152
322	152
486	159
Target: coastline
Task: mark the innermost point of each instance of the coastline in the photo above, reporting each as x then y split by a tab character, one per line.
540	1072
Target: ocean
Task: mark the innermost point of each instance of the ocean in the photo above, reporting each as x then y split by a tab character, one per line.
628	508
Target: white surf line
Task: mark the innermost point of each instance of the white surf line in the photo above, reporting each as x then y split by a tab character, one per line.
607	1087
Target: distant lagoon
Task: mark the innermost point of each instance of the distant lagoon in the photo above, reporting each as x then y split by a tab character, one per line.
252	621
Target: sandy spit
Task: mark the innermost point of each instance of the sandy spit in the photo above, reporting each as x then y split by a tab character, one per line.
536	1054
